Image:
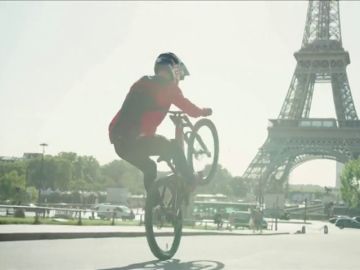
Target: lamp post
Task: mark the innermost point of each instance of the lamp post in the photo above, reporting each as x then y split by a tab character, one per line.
43	145
41	181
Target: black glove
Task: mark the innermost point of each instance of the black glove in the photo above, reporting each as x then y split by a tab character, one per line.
206	112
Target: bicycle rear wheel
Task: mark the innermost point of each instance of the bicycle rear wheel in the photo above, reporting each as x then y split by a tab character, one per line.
203	150
163	219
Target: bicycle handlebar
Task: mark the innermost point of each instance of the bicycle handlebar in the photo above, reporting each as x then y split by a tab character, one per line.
176	112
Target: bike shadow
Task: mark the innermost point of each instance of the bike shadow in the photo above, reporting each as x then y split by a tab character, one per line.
173	264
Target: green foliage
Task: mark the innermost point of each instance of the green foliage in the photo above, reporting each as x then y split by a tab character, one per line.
21	180
350	180
50	172
12	187
32	194
225	183
120	173
19	166
306	188
240	187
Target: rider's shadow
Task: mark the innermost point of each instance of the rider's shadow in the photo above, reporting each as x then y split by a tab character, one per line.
173	264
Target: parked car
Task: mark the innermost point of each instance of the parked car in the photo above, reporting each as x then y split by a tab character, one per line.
107	211
347	223
242	219
285	216
30	207
335	218
357	218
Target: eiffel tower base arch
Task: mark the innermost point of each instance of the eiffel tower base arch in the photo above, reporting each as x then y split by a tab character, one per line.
290	144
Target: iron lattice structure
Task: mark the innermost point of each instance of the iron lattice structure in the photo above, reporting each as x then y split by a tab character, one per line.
294	138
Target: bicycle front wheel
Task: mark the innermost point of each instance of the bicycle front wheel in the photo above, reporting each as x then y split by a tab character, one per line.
163	219
203	150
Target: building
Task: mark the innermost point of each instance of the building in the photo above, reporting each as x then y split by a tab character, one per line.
8	159
31	155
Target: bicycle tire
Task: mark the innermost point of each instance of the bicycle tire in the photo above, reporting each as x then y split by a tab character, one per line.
201	124
151	236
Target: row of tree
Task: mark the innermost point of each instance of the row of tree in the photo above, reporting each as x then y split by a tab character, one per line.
21	179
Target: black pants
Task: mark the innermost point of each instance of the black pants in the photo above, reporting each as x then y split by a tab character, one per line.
138	151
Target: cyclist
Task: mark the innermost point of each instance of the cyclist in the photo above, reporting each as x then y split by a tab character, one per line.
133	129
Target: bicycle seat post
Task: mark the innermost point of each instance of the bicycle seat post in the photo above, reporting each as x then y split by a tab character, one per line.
171	166
178	120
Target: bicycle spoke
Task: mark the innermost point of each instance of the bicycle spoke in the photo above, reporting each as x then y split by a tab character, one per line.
202	155
203	150
164	222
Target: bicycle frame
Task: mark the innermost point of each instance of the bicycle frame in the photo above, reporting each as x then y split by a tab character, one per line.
181	121
168	196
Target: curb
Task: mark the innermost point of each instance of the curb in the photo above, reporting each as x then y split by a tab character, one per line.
64	235
79	235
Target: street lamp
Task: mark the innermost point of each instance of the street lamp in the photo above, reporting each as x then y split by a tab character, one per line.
43	145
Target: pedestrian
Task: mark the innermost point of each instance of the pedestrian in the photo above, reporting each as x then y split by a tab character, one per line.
258	217
218	220
252	224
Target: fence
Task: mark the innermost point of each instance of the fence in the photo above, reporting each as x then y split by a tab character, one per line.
60	212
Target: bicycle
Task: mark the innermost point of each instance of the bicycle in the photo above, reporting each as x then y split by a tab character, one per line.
167	197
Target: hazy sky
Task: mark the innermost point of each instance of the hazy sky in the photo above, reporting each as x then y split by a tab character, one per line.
65	68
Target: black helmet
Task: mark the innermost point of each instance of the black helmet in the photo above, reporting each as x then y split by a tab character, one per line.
173	63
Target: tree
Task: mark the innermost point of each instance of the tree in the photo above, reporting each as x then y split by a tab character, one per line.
220	184
52	172
82	172
85	171
120	173
32	194
12	187
240	187
350	180
68	171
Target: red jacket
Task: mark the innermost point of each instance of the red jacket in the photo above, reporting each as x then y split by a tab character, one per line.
145	107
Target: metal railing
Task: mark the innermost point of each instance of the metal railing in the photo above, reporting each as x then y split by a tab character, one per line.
60	211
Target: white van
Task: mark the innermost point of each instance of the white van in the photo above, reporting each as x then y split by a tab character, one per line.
106	211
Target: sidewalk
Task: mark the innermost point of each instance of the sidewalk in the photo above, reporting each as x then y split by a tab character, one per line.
40	232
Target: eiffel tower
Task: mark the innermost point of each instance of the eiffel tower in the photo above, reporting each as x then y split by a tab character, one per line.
294	138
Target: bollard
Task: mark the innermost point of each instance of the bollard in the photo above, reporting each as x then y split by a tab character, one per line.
303	229
113	218
80	221
141	220
326	229
36	221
